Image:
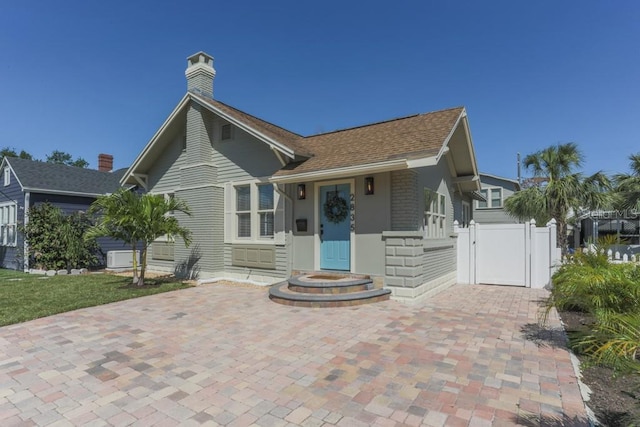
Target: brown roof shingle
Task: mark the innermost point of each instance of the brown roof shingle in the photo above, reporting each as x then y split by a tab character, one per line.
420	135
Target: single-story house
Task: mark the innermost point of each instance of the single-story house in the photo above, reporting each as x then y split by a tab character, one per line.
28	183
378	199
494	191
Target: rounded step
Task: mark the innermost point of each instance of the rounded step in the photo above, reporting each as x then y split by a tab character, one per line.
327	284
281	294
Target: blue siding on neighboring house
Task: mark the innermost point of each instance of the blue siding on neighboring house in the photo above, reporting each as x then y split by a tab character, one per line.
68	204
11	256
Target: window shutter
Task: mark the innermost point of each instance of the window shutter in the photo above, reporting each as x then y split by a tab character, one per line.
228	212
279	219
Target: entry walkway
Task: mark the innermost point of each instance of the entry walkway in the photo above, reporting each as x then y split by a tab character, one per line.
222	355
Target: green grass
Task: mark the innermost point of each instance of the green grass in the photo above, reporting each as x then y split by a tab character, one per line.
28	296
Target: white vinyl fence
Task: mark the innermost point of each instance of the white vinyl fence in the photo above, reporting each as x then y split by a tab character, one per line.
507	254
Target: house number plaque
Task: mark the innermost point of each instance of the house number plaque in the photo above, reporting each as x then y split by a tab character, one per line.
352	213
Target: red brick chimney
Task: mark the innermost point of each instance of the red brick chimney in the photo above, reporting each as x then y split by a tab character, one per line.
105	162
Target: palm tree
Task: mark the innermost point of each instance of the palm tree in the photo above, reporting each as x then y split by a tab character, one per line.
628	186
138	220
562	191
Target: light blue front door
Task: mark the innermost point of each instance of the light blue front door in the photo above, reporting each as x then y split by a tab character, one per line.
335	227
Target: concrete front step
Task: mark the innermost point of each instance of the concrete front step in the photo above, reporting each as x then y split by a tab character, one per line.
320	286
322	290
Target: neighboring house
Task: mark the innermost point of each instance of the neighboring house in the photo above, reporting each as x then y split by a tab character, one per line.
28	183
494	190
624	225
266	203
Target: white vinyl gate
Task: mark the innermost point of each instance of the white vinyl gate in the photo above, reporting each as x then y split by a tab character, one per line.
507	254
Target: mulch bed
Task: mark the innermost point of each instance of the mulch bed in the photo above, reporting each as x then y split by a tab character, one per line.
614	400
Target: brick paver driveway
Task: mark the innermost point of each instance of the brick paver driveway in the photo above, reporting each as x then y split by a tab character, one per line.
222	355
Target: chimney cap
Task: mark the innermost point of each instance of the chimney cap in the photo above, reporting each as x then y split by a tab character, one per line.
200	57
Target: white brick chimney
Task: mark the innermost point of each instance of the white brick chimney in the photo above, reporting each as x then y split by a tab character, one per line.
200	74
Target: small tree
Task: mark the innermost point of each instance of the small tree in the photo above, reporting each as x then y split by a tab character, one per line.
11	152
63	158
138	220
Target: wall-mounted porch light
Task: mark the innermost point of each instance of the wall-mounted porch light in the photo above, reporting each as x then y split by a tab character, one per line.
368	185
302	192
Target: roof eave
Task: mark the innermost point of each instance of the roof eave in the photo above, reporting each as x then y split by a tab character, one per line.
472	180
61	192
136	163
342	172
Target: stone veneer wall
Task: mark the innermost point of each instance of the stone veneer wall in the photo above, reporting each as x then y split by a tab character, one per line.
413	271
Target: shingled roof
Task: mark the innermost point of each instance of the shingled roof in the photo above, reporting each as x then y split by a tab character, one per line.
56	178
421	135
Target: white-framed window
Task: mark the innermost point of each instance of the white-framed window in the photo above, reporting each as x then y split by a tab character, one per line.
254	211
8	223
265	210
493	198
435	215
7	176
243	211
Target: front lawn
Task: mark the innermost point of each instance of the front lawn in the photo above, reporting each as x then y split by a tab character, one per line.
28	296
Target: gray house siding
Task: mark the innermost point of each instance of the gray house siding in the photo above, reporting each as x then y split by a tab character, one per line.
197	175
417	266
205	254
242	157
12	256
439	260
165	176
373	216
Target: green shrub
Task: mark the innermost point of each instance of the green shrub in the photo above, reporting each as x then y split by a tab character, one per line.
610	294
596	289
56	241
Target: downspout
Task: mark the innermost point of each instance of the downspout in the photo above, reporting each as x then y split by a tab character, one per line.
25	244
281	192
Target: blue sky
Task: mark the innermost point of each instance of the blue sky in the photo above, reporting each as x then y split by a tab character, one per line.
87	77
